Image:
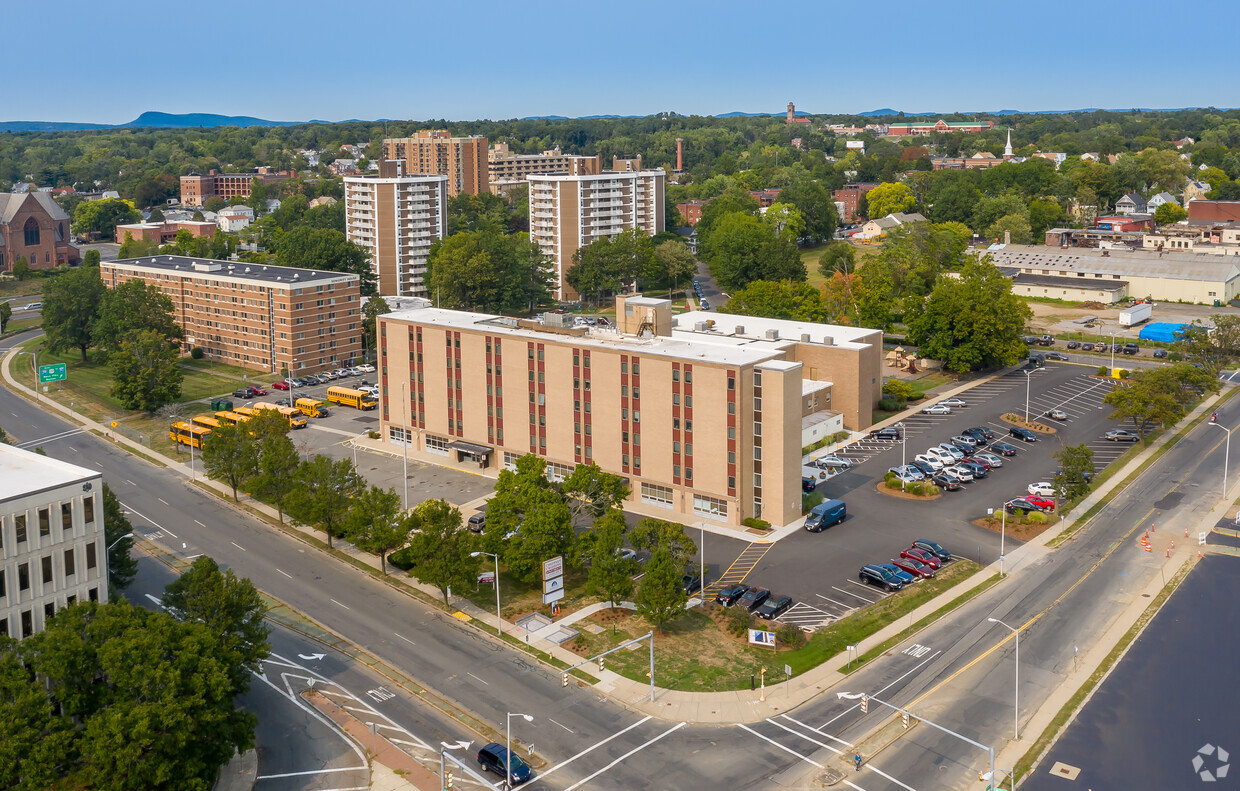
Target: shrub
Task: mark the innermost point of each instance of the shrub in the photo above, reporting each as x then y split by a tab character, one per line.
1102	370
738	619
891	404
196	352
754	522
892	479
790	636
840	436
931	490
372	434
1037	518
401	559
1175	357
898	389
1018	514
1123	373
808	501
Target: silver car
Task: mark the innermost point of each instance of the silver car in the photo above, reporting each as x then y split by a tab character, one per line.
989	458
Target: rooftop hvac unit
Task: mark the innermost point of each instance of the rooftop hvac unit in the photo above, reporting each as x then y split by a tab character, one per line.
740	329
772	335
699	326
805	337
827	340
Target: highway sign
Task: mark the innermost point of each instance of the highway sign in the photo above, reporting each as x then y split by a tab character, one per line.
53	373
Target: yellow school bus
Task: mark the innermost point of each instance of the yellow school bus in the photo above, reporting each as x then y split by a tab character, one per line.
311	407
349	397
231	418
188	434
206	421
295	418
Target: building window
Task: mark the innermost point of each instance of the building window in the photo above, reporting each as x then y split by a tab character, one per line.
31	230
557	472
88	510
23	577
66	516
70	567
46	563
710	506
91	560
19	522
436	445
510	460
45	522
398	435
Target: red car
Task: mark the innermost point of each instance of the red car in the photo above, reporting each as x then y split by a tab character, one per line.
1041	502
914	567
280	385
256	390
922	556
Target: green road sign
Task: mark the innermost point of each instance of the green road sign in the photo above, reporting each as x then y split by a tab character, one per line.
53	373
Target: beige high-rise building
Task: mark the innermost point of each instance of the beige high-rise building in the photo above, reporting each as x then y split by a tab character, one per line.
52	547
433	152
705	421
569	212
397	218
509	170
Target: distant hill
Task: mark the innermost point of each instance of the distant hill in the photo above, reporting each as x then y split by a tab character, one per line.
48	126
150	120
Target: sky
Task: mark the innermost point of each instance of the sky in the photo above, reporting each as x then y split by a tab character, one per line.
464	60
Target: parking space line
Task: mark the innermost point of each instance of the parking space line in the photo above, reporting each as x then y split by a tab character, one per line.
833	601
859	596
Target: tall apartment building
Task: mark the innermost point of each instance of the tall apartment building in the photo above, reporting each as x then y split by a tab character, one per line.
704	421
52	550
268	318
508	170
848	198
433	152
569	212
396	218
196	187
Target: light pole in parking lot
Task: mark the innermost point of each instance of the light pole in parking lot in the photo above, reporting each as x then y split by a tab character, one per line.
1016	703
903	461
1028	373
404	446
1226	453
1002	532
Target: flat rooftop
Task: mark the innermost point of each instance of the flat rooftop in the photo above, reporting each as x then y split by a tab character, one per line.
1076	262
233	270
756	329
23	472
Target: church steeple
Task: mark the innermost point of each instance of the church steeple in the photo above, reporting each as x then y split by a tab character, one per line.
1007	150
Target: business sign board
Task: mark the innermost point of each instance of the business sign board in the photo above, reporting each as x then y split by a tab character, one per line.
554	584
759	637
553	596
553	567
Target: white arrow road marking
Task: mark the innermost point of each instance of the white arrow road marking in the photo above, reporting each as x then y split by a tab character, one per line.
310	656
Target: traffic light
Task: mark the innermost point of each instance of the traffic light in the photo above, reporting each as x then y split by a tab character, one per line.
564	679
448	779
602	663
904	718
865	704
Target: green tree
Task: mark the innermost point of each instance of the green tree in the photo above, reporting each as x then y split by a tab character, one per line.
611	574
100	217
815	203
230	607
122	567
33	740
6	313
133	248
889	198
21	269
783	300
440	548
1144	404
651	534
155	216
485	212
258	197
546	530
146	372
129	308
593	492
898	388
1077	465
838	257
375	307
214	203
610	263
70	305
743	249
1044	214
325	489
1016	224
734	199
675	263
377	524
487	271
229	454
785	220
1211	346
90	258
325	249
1169	213
661	597
277	463
971	322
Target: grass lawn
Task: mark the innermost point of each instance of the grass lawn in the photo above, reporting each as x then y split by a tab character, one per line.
21	288
698	653
811	255
518	598
17	325
929	381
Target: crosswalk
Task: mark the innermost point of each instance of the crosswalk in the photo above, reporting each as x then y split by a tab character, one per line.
736	573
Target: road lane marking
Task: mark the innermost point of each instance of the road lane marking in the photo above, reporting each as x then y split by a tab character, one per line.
593	747
137	513
565	727
162	500
313	772
155	599
238	546
285	573
200	524
333	601
840	752
635	750
75	450
471	675
785	749
406	639
131	483
891	684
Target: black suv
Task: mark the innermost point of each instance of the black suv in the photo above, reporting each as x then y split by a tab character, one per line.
890	432
1131	348
979	433
243	393
728	596
880	577
495	758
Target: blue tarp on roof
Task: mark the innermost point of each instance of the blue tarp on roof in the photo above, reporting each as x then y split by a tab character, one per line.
1163	331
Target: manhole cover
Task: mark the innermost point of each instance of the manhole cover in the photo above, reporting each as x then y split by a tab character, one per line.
1061	769
593	628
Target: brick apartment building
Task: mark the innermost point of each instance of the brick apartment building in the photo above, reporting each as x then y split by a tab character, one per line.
397	218
52	547
704	421
434	152
268	318
507	170
164	232
569	212
940	127
34	227
850	197
196	187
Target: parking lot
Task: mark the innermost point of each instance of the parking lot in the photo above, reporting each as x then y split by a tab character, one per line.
819	570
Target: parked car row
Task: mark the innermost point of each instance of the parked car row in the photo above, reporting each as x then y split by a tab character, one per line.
697	289
759	601
965	458
920	561
1085	346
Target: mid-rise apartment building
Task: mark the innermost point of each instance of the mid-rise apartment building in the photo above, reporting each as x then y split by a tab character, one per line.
163	232
52	547
434	152
269	318
569	212
848	198
704	421
197	187
397	218
508	170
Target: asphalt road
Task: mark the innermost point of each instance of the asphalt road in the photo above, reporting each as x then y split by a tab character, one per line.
1162	704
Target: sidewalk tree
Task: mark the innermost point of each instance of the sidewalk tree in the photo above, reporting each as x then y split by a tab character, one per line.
1212	346
324	492
611	574
267	425
440	548
661	597
6	313
674	263
146	372
122	567
277	463
1077	465
129	308
651	534
546	531
229	454
230	607
377	524
70	306
1144	404
592	492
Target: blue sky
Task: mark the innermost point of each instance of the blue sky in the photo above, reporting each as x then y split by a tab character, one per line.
412	59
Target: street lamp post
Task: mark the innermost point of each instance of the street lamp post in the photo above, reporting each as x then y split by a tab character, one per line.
117	541
1002	532
1226	453
903	460
1028	373
1016	701
404	446
508	746
499	620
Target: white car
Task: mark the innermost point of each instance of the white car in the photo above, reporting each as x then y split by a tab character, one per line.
34	306
952	450
961	473
1042	489
829	462
933	461
936	409
953	401
366	368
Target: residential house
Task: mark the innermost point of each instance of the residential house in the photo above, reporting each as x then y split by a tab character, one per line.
343	167
234	218
1158	200
1196	190
323	200
1132	203
883	225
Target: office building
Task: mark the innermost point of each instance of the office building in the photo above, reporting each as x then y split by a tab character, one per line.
52	550
569	212
397	218
705	421
507	170
433	152
163	232
275	319
196	187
